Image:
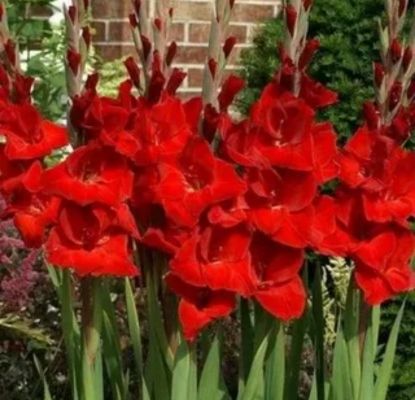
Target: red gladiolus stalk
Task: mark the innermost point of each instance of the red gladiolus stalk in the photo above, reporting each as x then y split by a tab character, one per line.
219	50
78	43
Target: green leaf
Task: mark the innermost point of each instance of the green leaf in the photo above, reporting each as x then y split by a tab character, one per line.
46	391
340	388
211	386
254	389
135	333
247	342
319	326
112	358
296	351
384	376
156	320
184	381
351	335
275	364
367	380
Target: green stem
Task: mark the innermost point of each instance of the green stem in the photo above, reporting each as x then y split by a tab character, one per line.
319	333
91	315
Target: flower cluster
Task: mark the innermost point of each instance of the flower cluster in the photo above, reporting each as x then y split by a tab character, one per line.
233	204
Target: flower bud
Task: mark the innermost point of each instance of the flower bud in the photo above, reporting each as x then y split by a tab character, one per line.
291	18
74	60
307	4
92	81
371	115
86	35
133	20
158	24
137	6
72	11
146	46
379	72
407	58
10	49
212	65
171	53
176	78
395	50
395	95
229	45
309	50
402	7
133	71
411	90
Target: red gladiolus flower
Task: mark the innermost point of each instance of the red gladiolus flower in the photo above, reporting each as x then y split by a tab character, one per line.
279	210
199	306
395	197
279	289
315	94
197	181
89	175
33	211
27	135
383	265
92	240
217	258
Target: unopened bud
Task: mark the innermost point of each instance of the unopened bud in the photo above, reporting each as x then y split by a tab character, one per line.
133	71
72	11
212	65
146	46
395	50
86	35
158	24
309	50
379	73
371	115
407	58
10	49
307	4
402	7
291	18
395	95
133	20
74	60
171	53
229	45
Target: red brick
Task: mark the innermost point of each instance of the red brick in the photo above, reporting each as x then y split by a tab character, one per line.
98	30
199	33
195	77
252	12
177	32
120	32
187	10
111	8
191	54
111	52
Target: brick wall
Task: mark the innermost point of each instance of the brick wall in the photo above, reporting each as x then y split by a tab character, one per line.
190	30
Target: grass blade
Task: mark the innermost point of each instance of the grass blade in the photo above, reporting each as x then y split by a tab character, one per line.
211	386
275	365
384	376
